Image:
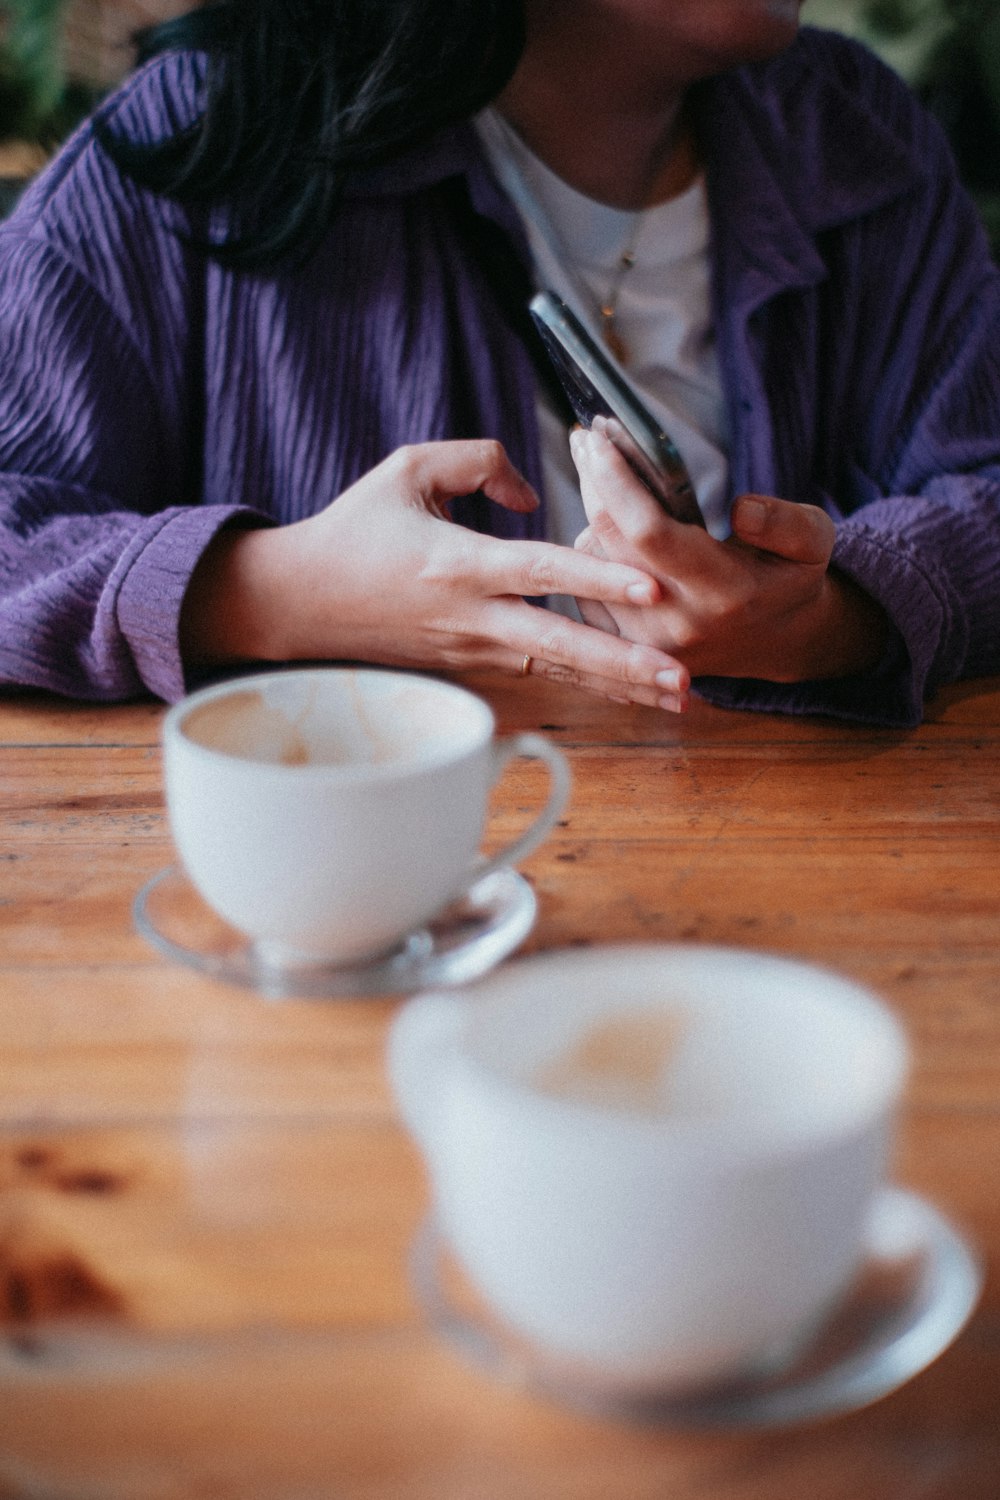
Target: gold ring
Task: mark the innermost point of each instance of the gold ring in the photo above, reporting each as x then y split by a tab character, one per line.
526	665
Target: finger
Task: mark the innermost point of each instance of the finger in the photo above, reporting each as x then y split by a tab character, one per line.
609	687
535	569
619	507
573	651
589	543
435	472
800	533
591	612
597	616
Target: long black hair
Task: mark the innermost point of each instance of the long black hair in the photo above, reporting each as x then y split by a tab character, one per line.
301	92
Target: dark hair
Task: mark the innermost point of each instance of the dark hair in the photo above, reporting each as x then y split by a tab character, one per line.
301	92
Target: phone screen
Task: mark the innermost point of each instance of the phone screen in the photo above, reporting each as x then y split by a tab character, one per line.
603	400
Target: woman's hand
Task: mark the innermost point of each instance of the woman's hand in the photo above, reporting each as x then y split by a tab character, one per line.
383	575
764	603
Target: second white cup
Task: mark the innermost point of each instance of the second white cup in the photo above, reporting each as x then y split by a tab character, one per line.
655	1165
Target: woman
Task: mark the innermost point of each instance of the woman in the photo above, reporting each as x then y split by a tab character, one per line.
295	294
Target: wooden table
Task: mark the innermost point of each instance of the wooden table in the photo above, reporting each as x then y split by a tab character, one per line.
206	1199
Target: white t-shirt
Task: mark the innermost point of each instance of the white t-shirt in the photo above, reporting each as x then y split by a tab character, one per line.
663	313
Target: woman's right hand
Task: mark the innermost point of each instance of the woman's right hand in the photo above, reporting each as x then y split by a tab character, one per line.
384	575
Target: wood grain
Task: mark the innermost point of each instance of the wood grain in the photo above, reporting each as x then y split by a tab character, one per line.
206	1198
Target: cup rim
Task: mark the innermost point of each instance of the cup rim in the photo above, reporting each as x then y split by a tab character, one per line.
172	729
689	1131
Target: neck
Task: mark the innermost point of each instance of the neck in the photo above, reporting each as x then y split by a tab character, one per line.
608	130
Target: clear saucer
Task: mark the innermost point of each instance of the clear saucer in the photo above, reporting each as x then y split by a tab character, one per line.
463	942
916	1290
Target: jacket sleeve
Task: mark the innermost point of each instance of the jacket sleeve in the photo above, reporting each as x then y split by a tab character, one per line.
99	534
915	419
925	543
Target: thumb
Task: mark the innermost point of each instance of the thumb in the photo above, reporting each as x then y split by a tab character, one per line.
800	533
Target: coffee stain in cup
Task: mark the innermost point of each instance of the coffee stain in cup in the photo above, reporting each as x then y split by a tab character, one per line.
245	725
620	1062
403	734
379	751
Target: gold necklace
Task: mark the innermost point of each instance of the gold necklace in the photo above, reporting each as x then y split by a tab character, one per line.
676	141
608	308
525	197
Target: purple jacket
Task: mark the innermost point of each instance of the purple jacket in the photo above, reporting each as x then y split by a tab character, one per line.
148	396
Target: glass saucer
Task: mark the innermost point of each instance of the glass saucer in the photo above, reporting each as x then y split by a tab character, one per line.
463	941
914	1293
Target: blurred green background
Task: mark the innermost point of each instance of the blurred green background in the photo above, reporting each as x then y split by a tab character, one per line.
949	51
58	56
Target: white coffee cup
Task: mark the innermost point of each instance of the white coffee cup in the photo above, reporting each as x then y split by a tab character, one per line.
653	1164
327	812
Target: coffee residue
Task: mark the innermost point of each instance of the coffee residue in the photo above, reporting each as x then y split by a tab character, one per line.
243	724
620	1062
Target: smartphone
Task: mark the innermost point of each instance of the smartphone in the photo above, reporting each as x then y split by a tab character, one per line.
603	400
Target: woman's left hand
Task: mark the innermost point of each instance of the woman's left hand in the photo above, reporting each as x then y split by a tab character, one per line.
763	603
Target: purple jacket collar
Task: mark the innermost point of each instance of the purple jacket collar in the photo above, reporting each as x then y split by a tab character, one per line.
779	211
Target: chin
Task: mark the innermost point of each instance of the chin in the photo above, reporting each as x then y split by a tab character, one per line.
769	26
777	17
782	10
728	32
698	38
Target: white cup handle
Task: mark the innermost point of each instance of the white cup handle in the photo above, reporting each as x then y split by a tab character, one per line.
532	747
421	1038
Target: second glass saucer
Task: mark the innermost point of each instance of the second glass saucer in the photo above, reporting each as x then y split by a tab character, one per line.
916	1289
462	942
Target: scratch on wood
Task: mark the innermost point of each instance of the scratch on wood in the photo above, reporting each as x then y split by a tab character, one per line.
44	1283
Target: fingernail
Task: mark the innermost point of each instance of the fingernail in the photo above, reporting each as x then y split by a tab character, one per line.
645	592
752	516
675	703
670	679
